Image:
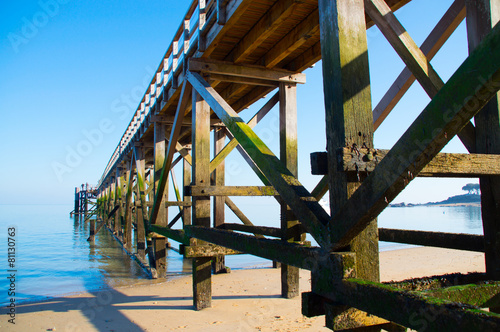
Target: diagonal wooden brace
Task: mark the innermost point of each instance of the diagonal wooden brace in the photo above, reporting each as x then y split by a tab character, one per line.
303	204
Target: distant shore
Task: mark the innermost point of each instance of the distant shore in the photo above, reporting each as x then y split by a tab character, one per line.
244	300
458	200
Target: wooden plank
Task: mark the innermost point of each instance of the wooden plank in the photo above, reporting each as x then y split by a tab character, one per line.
205	191
249	71
348	113
202	284
267	24
474	84
412	56
293	40
482	15
243	80
305	207
221	155
442	165
257	230
433	239
436	39
289	157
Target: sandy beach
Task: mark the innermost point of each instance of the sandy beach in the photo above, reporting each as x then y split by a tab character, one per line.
244	300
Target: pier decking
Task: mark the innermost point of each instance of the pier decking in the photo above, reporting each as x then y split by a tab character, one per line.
228	54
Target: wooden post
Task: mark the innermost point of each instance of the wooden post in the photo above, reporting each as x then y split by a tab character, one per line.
349	120
160	242
118	201
77	201
289	157
127	238
92	230
202	283
219	262
482	15
140	161
186	178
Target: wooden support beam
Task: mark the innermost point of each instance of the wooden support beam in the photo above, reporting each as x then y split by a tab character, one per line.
250	71
305	207
141	210
348	114
278	250
482	16
127	239
186	179
118	201
412	310
208	251
174	234
222	154
161	219
205	191
202	266
473	84
482	296
218	180
289	157
433	239
413	57
436	39
257	230
457	165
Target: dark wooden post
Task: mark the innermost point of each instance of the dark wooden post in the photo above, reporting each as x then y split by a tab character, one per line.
127	237
118	201
219	262
349	119
77	201
186	211
202	284
160	242
482	15
140	162
289	157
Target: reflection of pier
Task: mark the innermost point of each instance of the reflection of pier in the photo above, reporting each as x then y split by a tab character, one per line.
229	54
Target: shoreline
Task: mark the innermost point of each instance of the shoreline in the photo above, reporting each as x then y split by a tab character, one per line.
244	300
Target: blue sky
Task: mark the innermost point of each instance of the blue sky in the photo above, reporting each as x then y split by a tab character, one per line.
72	74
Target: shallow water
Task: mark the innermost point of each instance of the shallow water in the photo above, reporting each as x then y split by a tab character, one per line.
54	258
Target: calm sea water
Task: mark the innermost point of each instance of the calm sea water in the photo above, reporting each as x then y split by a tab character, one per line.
54	258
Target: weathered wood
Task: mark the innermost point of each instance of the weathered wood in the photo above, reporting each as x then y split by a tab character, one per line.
186	179
232	191
127	239
278	250
483	295
208	251
118	201
289	157
442	165
305	207
222	154
257	230
168	204
142	212
202	285
412	56
250	71
412	310
433	239
161	219
349	121
482	15
174	234
219	263
473	84
438	36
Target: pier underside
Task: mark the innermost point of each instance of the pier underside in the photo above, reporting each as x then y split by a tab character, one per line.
229	54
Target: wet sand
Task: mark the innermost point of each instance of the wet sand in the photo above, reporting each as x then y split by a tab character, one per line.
244	300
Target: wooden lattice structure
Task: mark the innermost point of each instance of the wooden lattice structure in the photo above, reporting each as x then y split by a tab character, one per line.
226	55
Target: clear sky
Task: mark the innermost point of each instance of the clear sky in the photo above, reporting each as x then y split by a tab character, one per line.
73	72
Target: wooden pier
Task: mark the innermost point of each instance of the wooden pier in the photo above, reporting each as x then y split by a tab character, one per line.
228	54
